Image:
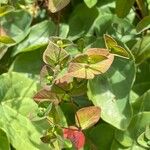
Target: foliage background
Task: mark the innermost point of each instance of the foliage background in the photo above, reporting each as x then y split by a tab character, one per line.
25	28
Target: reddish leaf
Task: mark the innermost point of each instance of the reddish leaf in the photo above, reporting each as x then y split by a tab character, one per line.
44	95
75	136
87	116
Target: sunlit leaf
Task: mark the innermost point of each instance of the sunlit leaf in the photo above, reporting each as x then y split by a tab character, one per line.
87	116
147	132
6	40
91	64
114	48
55	55
56	5
75	135
5	9
90	3
142	141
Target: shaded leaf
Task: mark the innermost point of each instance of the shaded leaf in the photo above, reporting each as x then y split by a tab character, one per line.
5	145
56	117
144	24
87	116
123	7
46	77
141	49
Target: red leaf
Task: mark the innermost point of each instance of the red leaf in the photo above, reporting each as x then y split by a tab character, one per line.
75	135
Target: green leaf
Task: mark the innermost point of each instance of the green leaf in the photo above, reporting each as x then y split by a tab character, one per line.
141	49
6	40
24	63
5	9
4	1
114	48
142	141
4	140
18	108
135	129
57	117
90	3
123	7
36	40
142	103
80	23
141	84
112	91
46	77
147	132
143	25
99	140
86	117
56	5
16	27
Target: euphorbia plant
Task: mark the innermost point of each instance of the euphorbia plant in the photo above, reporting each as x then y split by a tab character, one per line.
64	81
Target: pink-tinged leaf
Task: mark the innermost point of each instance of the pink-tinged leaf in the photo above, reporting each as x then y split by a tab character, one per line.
54	55
98	62
80	70
44	95
75	135
46	77
87	116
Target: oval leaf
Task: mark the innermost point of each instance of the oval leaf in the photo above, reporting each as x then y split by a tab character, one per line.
87	117
56	5
44	95
55	55
75	136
